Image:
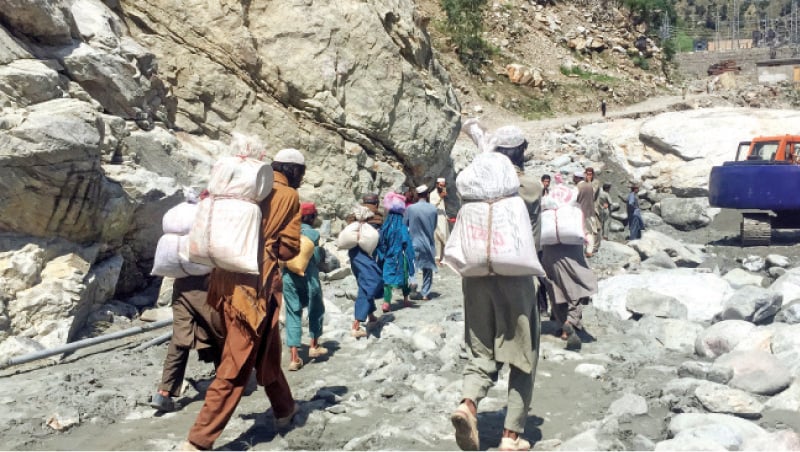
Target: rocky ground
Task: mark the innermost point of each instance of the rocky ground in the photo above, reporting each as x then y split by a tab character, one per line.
652	381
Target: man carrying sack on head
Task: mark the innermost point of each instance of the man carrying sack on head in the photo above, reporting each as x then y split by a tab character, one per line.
250	305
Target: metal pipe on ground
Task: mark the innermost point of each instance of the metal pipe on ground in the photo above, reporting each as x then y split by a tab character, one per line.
155	341
72	346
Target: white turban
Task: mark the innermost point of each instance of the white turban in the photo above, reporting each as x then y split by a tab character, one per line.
290	156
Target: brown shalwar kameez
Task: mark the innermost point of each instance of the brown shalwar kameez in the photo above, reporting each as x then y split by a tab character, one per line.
250	305
570	282
195	325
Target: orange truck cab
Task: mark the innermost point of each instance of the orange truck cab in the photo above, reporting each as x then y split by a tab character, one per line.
785	148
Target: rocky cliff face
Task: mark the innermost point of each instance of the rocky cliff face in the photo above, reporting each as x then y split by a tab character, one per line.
109	108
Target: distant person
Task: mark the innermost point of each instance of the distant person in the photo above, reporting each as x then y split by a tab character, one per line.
395	256
304	292
370	286
545	184
251	305
603	107
501	320
195	325
593	225
585	200
370	201
635	220
421	219
604	202
437	198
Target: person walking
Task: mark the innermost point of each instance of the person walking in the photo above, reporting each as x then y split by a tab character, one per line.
195	325
604	203
501	322
603	107
585	200
250	305
370	284
421	219
437	197
635	220
395	256
594	223
304	291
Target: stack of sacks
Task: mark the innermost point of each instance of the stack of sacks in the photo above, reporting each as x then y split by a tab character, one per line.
562	219
172	251
359	233
492	234
226	232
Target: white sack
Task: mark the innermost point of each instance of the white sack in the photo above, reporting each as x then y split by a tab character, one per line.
558	196
512	251
358	234
171	259
179	219
241	177
225	235
563	225
490	176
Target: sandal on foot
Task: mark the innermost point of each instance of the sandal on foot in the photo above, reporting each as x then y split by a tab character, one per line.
296	365
358	333
466	425
317	352
514	444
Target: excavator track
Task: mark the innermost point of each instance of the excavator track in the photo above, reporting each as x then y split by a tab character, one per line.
756	230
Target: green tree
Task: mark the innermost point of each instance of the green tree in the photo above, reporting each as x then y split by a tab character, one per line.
464	25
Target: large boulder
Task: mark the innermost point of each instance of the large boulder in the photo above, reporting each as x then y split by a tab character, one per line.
26	82
46	21
653	242
701	293
687	214
673	334
788	284
645	302
722	337
739	278
753	304
718	398
786	347
755	371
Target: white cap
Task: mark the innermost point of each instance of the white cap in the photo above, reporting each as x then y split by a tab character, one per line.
579	174
290	155
508	137
422	188
441	179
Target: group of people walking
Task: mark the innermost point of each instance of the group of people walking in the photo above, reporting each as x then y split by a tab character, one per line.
232	318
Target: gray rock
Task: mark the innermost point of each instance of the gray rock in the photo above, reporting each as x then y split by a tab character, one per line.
719	374
673	334
753	263
756	371
753	304
63	419
646	302
28	82
653	242
776	272
681	386
739	278
718	398
46	21
618	254
17	345
776	260
658	261
722	337
628	404
720	434
688	444
339	273
786	347
350	286
783	440
789	313
651	219
694	369
686	214
641	442
688	421
595	371
788	400
788	284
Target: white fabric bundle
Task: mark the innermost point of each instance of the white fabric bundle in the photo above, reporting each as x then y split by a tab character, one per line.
172	258
242	178
493	238
359	234
559	195
490	176
179	219
362	213
563	225
225	235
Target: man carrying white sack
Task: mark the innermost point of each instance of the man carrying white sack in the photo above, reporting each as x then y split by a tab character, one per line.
501	318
